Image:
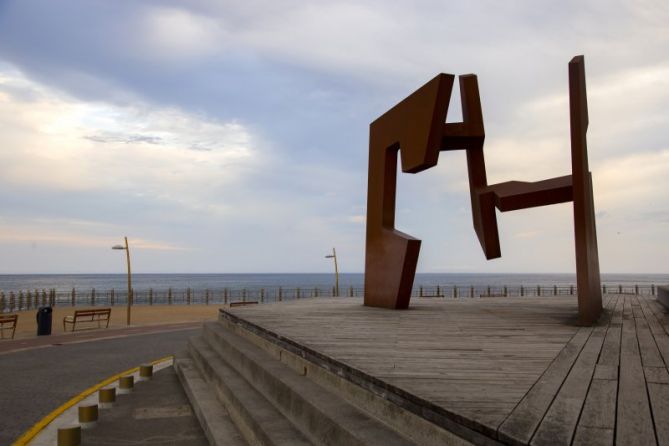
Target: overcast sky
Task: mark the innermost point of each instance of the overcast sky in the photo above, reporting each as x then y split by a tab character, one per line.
228	136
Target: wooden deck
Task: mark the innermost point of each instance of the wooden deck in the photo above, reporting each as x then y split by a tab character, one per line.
517	370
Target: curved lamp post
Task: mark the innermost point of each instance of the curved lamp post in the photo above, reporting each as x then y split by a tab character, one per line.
334	256
127	254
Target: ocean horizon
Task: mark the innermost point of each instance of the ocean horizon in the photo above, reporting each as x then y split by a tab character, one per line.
196	281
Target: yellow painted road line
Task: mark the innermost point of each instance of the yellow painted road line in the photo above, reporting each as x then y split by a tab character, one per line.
44	422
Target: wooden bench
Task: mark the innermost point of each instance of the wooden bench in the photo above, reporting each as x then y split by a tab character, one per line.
97	315
8	322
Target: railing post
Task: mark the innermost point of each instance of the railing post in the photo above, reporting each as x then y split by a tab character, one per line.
244	295
333	292
298	293
12	301
315	292
420	291
538	290
74	297
43	297
169	296
652	289
36	297
2	302
571	289
52	297
455	291
112	297
506	291
93	297
554	290
620	289
206	296
280	294
150	296
29	298
636	289
603	289
471	291
20	300
262	295
188	295
350	291
522	291
225	296
488	290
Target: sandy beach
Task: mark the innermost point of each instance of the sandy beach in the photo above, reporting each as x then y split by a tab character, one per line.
141	316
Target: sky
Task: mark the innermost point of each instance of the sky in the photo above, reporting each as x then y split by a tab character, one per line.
226	136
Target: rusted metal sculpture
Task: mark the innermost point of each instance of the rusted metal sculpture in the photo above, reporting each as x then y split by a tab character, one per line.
416	127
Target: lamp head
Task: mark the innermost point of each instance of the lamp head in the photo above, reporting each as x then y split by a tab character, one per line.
118	247
330	256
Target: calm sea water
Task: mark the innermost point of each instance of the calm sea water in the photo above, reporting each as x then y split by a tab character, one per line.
65	282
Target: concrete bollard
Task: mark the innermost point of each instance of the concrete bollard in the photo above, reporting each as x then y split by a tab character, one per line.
126	384
88	416
145	372
107	397
69	436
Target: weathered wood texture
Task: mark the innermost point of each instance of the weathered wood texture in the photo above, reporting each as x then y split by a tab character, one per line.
518	370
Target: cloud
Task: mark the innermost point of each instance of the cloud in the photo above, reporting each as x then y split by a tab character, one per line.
159	152
170	34
239	129
124	138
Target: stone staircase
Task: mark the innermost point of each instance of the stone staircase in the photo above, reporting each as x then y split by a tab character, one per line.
247	390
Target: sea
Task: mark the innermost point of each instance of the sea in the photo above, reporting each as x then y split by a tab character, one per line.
161	282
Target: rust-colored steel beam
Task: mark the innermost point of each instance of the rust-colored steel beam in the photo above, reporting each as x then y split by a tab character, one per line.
416	127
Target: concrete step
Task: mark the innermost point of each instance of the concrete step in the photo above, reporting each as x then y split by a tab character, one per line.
213	417
323	416
258	421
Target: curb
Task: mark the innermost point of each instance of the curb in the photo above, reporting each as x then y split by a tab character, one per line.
41	425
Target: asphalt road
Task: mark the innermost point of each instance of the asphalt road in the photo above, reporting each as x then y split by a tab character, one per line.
35	382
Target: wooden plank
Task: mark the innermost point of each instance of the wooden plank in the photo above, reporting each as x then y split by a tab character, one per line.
592	436
521	424
634	424
658	375
559	423
650	355
659	399
659	335
610	355
598	420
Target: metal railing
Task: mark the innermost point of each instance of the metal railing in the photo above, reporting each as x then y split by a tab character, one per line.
32	299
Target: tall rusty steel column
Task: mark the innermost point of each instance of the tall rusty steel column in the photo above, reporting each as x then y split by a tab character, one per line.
588	280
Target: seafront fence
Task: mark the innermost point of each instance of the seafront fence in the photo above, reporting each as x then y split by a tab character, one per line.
32	299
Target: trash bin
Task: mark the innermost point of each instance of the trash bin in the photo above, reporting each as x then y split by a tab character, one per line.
44	321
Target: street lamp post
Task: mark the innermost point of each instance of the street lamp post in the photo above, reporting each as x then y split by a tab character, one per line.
127	254
334	256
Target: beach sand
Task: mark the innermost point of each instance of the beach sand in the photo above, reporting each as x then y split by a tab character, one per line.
141	316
